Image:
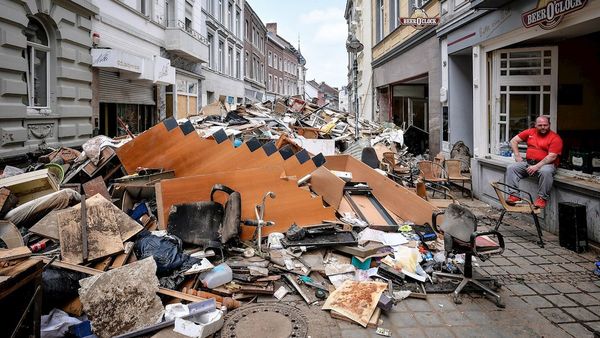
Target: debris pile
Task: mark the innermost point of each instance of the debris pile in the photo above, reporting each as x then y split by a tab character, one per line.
210	214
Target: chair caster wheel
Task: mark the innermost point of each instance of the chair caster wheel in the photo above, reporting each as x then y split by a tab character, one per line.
541	244
500	304
457	300
497	285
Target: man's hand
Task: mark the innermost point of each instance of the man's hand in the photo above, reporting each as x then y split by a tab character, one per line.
518	157
532	169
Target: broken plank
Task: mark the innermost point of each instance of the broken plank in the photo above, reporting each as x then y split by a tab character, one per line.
96	186
47	226
16	253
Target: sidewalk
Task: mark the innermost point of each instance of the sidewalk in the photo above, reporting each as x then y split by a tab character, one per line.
549	292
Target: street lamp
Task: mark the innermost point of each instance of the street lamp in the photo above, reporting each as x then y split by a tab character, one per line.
354	46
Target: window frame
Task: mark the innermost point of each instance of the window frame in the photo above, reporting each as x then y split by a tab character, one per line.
32	47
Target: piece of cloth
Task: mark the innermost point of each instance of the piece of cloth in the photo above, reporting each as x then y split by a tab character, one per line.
56	324
518	170
538	145
26	215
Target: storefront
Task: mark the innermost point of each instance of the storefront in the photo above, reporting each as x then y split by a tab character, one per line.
127	90
519	62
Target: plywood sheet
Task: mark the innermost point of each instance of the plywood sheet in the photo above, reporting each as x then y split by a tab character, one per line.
356	300
327	185
108	228
96	186
394	197
31	185
47	226
292	204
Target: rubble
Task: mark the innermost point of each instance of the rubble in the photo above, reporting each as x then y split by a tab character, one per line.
237	203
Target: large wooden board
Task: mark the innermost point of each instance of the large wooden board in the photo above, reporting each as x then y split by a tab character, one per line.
394	197
356	300
47	226
107	228
292	204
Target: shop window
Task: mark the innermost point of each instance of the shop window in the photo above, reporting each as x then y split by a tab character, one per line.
524	87
38	70
187	97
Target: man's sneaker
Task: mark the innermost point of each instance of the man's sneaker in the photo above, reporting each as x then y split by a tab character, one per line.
540	203
512	200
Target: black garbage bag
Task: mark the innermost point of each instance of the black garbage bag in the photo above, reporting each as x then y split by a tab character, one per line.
167	252
59	286
234	119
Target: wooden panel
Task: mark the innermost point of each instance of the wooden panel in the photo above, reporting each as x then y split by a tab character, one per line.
326	184
96	186
292	204
394	197
31	185
192	110
47	226
182	104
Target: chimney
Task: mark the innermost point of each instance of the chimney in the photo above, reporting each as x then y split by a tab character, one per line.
272	27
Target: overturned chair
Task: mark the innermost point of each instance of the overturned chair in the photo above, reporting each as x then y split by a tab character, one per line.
524	206
461	236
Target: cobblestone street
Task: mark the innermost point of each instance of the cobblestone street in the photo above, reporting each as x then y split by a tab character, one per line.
549	292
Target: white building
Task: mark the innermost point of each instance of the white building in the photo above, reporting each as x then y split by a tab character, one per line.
358	17
343	99
224	70
311	90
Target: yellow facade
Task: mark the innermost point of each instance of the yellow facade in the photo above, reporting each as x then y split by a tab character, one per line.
401	33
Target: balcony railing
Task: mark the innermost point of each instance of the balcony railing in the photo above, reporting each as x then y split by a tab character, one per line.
196	35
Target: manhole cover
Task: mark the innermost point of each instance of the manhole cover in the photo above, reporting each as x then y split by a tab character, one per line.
265	320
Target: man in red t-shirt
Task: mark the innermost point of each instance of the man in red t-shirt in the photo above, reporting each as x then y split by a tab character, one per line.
543	150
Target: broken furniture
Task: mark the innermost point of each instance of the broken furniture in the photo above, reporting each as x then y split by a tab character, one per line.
430	171
31	185
455	174
8	200
21	299
524	206
369	157
396	166
441	203
461	237
207	223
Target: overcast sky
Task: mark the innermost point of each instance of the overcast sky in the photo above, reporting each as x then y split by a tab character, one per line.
322	29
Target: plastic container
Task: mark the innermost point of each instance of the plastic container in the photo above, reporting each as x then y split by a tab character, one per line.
219	275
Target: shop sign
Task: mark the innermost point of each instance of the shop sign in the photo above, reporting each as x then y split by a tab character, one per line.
116	59
548	14
163	72
419	20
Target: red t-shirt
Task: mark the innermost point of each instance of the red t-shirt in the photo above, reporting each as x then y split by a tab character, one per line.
538	145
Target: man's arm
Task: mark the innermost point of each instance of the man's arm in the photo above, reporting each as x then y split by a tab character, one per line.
514	144
546	160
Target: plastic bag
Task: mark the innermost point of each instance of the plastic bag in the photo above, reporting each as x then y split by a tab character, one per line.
167	252
11	171
26	215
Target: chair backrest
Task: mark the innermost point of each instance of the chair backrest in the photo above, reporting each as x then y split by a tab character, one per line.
459	222
453	168
389	158
421	190
369	157
431	170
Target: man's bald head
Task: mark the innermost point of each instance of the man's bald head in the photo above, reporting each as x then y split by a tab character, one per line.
542	124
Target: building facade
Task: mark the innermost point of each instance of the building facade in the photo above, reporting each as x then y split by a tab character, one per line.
311	91
406	69
285	66
224	70
45	73
330	95
343	99
358	17
255	42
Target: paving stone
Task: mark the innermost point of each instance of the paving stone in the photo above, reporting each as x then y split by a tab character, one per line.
531	242
354	333
509	253
593	326
557	259
513	303
515	270
417	305
441	302
478	316
524	252
534	269
578	258
456	318
428	319
542	252
561	251
595	295
580	313
439	332
501	261
583	299
520	289
572	267
564	287
588	286
538	260
520	261
401	319
474	332
409	333
560	300
556	315
594	309
537	301
553	268
542	288
576	330
513	246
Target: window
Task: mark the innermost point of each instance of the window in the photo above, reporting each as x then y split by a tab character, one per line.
275	61
275	84
169	13
230	60
414	4
238	64
523	85
379	21
246	64
394	14
230	16
246	32
38	57
459	3
188	17
237	24
270	59
187	96
280	85
211	51
220	13
221	57
144	7
270	84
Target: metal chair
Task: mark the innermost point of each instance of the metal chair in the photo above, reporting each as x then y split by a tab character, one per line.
461	236
440	203
525	206
453	167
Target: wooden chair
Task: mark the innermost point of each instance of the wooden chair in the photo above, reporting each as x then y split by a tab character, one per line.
525	206
432	172
453	167
395	167
440	203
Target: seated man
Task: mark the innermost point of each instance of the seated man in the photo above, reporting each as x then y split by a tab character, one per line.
543	149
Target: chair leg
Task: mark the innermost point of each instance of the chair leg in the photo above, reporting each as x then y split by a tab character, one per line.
539	229
500	220
471	191
489	291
